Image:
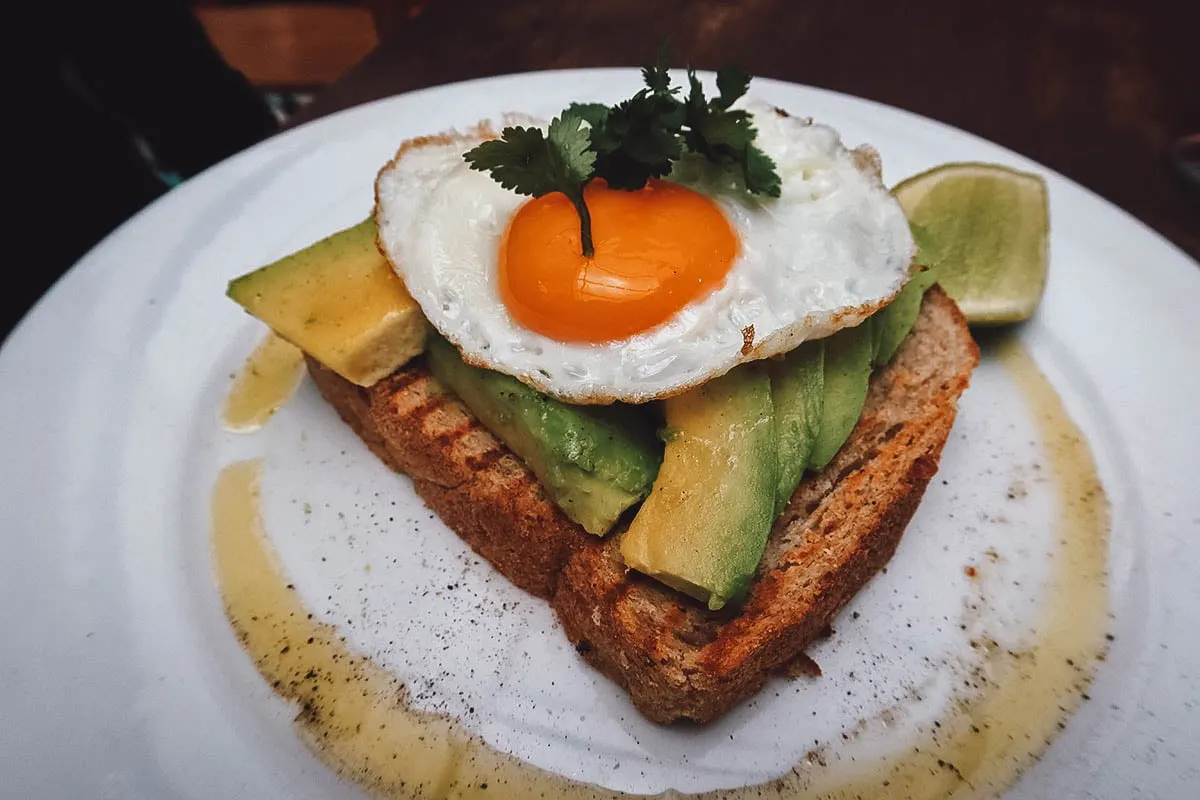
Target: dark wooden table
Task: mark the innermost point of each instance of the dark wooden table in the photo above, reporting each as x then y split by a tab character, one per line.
1094	90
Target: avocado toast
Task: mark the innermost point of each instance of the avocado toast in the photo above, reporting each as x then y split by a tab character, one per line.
614	391
678	659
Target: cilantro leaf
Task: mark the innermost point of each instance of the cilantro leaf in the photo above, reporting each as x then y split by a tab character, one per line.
695	107
725	136
657	77
571	156
758	172
732	83
729	129
526	161
593	114
639	139
519	160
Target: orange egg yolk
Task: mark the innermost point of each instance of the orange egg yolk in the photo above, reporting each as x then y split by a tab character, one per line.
656	250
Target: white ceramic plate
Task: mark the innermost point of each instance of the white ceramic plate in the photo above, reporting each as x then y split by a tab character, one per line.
121	678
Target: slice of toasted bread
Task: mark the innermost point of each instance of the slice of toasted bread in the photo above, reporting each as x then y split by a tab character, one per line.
677	659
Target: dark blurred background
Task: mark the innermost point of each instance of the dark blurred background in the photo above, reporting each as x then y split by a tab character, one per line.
131	97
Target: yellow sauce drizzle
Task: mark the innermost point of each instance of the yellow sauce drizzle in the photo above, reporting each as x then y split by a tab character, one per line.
264	383
352	712
990	739
354	716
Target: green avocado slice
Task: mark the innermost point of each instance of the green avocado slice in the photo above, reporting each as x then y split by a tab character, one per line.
593	461
847	373
703	528
798	394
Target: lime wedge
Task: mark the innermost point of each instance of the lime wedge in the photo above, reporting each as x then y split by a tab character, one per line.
989	227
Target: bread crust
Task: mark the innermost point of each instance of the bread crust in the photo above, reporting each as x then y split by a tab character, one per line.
678	660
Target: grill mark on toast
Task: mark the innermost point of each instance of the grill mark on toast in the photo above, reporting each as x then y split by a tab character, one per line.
448	439
855	465
432	403
485	460
523	483
400	381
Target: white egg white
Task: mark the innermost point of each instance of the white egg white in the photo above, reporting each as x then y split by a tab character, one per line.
828	252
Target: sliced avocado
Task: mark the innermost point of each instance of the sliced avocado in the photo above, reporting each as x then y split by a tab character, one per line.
798	395
593	461
890	329
339	301
847	374
703	528
877	334
896	319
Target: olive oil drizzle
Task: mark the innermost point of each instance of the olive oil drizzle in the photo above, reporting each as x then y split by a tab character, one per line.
352	712
993	737
265	382
355	717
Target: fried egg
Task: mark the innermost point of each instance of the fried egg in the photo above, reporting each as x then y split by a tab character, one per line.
691	276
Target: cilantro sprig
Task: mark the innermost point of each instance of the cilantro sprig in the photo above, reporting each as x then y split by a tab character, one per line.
724	135
629	143
528	162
